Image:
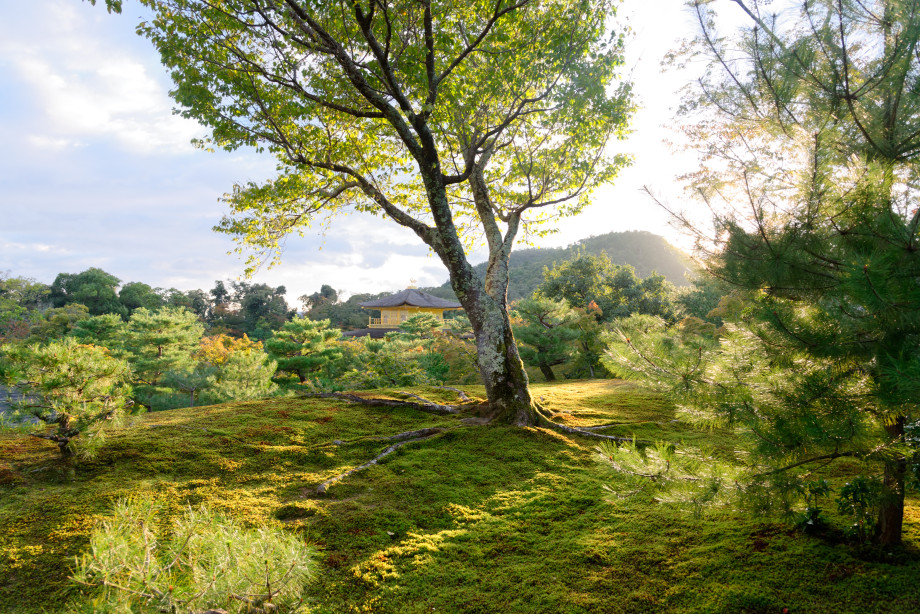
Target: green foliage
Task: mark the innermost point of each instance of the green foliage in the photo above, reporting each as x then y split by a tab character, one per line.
191	380
458	352
421	326
21	301
157	343
70	389
344	315
692	479
305	348
135	294
106	330
254	310
205	561
195	301
262	307
603	292
340	115
701	298
245	375
860	499
112	6
58	322
326	295
548	331
795	412
424	351
589	282
424	330
388	362
93	287
646	252
811	122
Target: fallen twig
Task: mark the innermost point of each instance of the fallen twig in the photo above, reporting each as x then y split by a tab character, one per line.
398	437
459	392
322	488
425	405
571	430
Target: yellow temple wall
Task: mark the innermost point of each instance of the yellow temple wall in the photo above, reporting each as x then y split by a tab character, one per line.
391	317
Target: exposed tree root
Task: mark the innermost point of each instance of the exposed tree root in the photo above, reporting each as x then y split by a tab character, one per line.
459	392
584	432
419	434
599	427
402	439
425	405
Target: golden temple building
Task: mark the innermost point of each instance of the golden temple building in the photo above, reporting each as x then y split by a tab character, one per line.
397	308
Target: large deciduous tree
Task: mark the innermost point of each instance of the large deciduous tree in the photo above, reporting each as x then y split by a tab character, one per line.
459	120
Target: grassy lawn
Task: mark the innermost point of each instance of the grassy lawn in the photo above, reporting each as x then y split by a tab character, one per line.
477	519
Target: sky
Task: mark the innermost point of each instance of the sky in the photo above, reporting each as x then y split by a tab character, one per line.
98	172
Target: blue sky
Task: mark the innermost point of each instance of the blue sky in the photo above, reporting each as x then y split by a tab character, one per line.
97	171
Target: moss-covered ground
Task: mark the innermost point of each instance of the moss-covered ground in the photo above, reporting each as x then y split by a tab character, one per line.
477	519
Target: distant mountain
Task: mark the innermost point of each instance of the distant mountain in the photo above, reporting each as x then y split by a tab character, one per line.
646	252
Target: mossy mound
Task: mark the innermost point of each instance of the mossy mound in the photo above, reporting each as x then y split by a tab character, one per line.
476	519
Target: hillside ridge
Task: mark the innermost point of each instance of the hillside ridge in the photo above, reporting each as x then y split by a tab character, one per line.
646	252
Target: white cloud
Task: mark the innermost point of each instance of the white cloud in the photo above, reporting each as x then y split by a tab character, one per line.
44	248
89	87
48	143
391	272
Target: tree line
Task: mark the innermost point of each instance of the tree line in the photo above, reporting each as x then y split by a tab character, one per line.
144	347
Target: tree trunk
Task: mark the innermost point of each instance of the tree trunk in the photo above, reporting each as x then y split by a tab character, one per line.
589	359
503	371
891	510
485	302
500	366
547	372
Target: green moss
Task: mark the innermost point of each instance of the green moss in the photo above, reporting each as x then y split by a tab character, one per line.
478	519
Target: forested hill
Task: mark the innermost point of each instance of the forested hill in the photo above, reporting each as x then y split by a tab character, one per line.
645	251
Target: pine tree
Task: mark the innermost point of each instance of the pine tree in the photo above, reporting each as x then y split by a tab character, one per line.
159	343
203	562
548	331
813	135
242	370
71	389
304	348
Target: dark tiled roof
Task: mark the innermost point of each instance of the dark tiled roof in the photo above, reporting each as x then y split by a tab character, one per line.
414	298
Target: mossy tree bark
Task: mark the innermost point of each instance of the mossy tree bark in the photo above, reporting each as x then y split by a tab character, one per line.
486	301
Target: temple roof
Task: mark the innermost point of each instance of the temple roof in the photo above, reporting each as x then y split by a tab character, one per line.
413	298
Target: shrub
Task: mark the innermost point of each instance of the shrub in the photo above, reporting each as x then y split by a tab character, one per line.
206	562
